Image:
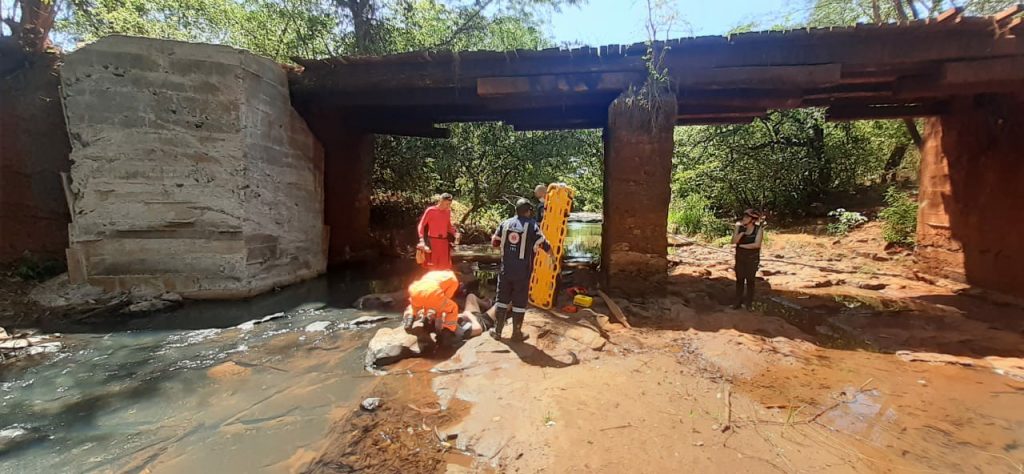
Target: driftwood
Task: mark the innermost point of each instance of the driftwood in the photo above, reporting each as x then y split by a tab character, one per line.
615	309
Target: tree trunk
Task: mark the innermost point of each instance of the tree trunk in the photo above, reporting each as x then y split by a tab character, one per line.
876	12
363	24
900	10
915	135
32	31
894	161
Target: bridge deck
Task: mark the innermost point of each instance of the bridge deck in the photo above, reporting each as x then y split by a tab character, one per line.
865	71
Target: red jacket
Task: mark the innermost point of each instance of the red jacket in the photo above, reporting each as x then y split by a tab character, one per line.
436	221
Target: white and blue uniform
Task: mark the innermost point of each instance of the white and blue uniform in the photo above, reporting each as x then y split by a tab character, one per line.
516	238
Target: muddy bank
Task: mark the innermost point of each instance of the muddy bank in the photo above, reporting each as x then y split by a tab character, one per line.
918	375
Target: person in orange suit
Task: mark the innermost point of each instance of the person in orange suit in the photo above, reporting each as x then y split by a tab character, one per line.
431	300
435	232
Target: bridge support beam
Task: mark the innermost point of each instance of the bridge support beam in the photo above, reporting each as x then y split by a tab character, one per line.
971	198
638	147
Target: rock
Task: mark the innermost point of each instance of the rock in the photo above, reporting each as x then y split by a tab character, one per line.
4	335
380	301
12	344
227	370
817	209
251	323
44	348
871	286
58	291
172	297
390	345
768	273
318	326
820	284
148	306
364	320
880	258
370	404
700	301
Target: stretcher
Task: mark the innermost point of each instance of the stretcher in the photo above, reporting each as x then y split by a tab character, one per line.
546	267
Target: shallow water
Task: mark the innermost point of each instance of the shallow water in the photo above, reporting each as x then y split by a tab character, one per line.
190	391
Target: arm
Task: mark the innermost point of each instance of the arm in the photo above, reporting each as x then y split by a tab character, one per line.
737	234
757	241
542	242
422	227
496	238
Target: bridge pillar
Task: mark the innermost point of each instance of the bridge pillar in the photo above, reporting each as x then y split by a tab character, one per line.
348	169
971	215
638	148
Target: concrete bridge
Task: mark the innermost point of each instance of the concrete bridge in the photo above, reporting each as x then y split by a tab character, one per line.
210	171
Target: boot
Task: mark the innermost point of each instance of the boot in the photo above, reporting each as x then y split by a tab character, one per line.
517	327
499	324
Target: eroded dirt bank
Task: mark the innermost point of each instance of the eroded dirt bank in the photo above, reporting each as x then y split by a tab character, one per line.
879	370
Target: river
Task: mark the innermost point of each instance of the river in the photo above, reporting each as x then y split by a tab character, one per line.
193	390
199	390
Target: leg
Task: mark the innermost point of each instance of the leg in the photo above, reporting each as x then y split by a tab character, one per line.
750	279
501	306
738	268
520	298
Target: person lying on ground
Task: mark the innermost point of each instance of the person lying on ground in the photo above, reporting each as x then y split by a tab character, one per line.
518	239
747	238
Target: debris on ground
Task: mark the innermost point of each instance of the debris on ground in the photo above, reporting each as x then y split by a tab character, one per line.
371	404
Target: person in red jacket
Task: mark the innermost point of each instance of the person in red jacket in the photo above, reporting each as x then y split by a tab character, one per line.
435	229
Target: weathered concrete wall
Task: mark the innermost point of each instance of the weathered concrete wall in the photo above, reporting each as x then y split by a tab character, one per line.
191	171
972	194
638	170
34	151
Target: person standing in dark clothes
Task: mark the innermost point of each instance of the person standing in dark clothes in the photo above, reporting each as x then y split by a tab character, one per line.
747	238
518	239
540	192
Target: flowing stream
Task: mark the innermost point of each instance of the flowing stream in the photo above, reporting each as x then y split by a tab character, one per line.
193	390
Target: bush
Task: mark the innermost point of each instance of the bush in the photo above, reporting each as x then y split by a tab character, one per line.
899	218
692	215
32	268
845	221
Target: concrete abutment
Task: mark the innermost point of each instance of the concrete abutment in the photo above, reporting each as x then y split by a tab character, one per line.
638	145
972	193
191	171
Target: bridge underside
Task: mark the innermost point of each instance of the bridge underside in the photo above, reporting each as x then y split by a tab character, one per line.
933	68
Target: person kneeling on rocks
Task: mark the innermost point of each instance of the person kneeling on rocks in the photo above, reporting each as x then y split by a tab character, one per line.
518	238
431	303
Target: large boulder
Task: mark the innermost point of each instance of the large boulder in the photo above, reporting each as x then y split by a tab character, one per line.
391	345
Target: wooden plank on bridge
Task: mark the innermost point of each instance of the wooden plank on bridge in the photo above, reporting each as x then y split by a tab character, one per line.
557	83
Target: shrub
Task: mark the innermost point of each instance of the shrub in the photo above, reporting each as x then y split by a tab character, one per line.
899	218
692	215
845	221
32	268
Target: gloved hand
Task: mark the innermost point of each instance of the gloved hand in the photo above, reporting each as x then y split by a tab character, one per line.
407	320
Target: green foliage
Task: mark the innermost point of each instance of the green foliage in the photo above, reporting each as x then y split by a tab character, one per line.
33	268
783	162
276	29
845	221
899	217
693	215
488	166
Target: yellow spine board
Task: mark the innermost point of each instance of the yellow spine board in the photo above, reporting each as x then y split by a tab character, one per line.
557	205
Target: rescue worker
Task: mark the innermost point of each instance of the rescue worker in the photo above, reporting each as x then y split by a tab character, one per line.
436	231
518	239
431	302
540	192
747	238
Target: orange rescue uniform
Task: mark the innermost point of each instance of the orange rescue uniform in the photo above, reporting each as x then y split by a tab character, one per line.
434	291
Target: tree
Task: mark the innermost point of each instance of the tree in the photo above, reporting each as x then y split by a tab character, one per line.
28	24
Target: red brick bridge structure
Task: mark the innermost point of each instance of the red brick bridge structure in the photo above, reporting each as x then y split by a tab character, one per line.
966	74
212	172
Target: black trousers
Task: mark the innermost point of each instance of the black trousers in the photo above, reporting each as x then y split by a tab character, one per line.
747	263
